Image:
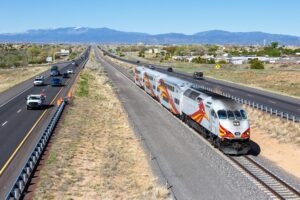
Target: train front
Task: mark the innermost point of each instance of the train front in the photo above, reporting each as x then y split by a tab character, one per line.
234	130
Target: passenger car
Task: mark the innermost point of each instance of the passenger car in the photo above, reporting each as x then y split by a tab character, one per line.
39	81
56	82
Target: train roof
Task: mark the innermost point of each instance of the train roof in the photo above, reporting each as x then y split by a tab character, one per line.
218	102
176	81
209	94
154	73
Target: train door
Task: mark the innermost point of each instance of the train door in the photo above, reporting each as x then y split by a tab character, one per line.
213	122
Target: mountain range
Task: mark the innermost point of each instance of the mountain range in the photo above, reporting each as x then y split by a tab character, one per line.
106	35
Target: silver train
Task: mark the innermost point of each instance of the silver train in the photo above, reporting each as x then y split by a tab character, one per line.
221	120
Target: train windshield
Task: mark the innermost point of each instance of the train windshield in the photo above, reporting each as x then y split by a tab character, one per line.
230	115
222	114
238	115
244	115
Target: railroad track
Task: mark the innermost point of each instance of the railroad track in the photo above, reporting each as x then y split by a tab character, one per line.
275	186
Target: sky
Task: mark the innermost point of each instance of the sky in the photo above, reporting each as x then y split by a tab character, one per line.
153	16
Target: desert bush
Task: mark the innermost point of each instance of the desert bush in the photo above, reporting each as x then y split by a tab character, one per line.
256	64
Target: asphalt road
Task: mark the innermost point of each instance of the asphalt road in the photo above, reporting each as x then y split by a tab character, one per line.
16	122
286	104
192	167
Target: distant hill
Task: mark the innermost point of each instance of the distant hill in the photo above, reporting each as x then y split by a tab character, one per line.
106	35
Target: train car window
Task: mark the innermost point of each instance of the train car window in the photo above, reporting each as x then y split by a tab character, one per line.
193	95
222	114
176	101
213	114
158	89
187	92
230	115
243	113
153	86
238	115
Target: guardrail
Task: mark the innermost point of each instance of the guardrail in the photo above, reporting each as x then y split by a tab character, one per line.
253	104
21	181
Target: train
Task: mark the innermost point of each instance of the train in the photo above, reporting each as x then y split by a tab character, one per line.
222	121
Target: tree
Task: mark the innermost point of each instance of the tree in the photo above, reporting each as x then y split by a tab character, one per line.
274	45
141	54
256	64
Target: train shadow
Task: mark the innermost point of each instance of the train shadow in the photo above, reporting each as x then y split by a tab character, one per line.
255	149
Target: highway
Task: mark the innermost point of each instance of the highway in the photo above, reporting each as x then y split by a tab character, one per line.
286	104
193	168
17	124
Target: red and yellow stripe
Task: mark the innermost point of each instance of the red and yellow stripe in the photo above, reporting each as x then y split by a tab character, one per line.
199	114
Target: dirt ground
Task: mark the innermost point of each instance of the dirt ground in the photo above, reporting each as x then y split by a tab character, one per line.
12	77
279	140
95	154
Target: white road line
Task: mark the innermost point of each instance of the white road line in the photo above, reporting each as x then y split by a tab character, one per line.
4	123
15	97
19	110
273	102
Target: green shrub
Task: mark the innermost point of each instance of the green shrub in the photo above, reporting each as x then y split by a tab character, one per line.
256	64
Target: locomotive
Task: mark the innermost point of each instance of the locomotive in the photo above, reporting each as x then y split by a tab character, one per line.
219	119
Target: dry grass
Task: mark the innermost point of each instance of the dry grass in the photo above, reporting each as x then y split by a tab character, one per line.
281	129
96	155
285	82
12	77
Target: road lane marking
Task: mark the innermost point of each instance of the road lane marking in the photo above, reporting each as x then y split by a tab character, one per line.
27	135
19	110
4	123
273	102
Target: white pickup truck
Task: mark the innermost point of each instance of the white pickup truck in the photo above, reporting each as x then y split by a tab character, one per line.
35	101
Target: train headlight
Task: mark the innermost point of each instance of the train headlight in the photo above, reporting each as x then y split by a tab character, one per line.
246	134
236	123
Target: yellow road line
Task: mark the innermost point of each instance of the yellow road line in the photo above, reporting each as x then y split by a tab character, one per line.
27	135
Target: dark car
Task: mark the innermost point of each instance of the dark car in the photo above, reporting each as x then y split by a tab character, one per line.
66	75
170	69
198	75
151	67
137	61
56	82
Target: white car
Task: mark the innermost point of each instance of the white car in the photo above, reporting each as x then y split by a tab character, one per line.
70	71
39	81
35	101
